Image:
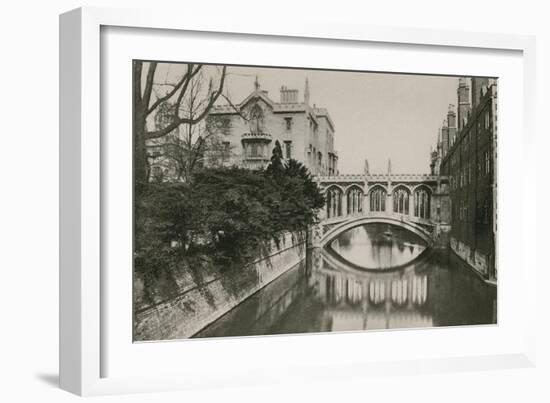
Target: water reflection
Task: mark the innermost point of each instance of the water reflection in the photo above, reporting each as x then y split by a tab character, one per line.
327	293
378	246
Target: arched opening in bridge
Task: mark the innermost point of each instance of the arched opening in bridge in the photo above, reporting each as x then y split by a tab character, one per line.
401	200
377	197
334	202
355	200
422	201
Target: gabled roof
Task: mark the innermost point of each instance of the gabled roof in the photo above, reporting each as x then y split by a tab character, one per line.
257	94
277	107
225	109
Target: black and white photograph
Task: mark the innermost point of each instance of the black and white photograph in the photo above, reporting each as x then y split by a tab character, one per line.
290	201
274	200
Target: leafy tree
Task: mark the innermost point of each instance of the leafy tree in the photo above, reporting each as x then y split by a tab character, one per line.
225	216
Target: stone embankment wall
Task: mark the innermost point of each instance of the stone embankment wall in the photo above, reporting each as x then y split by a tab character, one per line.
477	260
198	306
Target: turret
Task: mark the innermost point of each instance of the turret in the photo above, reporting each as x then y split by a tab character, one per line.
463	93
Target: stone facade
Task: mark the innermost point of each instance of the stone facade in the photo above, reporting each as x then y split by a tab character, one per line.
249	130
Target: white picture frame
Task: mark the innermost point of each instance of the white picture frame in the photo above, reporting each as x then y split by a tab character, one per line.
84	346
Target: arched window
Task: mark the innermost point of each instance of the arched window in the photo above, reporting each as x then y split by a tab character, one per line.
334	202
401	201
355	200
422	203
377	199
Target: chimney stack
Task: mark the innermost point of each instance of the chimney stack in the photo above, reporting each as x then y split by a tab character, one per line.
288	96
306	92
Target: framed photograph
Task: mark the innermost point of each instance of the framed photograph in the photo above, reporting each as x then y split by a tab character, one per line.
243	202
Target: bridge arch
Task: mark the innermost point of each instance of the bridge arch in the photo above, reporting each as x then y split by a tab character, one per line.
340	228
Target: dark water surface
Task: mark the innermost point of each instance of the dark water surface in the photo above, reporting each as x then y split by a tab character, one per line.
371	277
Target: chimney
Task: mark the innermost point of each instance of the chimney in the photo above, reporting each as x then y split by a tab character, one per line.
463	93
306	92
288	96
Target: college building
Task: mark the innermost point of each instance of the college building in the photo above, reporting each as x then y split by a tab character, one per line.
466	153
247	132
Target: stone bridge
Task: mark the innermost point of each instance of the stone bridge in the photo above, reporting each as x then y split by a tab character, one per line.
416	202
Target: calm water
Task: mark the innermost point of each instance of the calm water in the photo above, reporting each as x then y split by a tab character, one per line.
371	277
378	246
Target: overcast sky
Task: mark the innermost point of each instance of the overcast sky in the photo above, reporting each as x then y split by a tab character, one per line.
377	115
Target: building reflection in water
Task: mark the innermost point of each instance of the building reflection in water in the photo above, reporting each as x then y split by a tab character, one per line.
378	246
329	293
371	300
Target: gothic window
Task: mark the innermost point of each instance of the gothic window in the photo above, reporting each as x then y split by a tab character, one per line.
401	201
288	149
377	199
355	200
254	149
422	203
334	202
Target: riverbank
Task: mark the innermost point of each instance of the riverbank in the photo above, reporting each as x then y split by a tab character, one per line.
475	260
203	301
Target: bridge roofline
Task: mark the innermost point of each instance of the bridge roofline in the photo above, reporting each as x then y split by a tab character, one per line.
380	177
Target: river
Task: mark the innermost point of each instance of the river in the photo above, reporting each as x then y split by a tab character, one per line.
371	277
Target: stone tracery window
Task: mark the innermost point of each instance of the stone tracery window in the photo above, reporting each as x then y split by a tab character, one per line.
422	201
401	201
355	200
334	202
378	199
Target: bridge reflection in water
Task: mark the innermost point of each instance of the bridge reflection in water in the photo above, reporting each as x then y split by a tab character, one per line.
330	293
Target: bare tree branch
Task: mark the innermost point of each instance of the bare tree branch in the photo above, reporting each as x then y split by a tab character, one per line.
177	121
184	80
149	84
